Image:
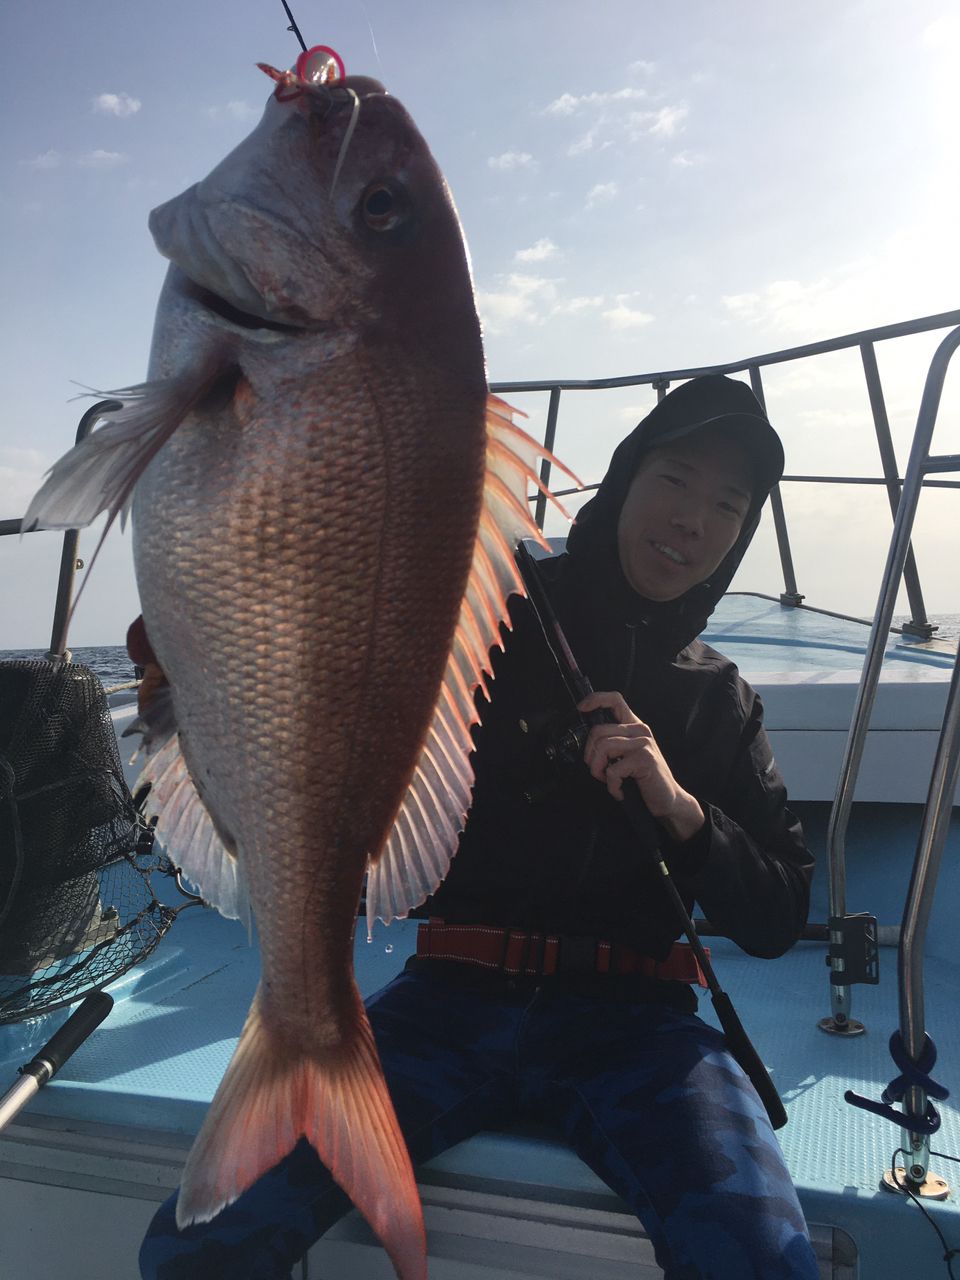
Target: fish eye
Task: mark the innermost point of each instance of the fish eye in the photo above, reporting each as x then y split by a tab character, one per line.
381	207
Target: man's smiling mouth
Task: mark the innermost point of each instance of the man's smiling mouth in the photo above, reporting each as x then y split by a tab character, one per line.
670	552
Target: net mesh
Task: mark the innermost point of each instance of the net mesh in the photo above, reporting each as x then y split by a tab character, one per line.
77	907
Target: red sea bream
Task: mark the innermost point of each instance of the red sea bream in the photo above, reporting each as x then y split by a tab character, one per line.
325	503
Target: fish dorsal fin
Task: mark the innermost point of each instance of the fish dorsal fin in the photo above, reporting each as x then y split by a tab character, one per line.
426	831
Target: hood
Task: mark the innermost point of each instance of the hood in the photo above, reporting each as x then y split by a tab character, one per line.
713	403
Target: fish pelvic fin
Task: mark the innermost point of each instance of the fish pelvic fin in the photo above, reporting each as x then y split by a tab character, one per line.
426	831
271	1096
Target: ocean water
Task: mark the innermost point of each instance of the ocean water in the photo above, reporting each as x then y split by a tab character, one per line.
111	663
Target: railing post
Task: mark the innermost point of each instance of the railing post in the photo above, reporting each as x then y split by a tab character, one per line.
790	594
919	462
916	915
68	556
918	624
549	437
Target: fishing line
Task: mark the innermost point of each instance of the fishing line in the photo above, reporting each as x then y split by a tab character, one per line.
293	25
948	1253
373	38
346	138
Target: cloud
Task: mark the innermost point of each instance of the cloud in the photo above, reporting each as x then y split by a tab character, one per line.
802	307
511	160
941	32
568	105
668	120
608	119
685	160
663	123
528	300
909	274
538	252
235	109
623	317
602	193
573	306
565	105
585	142
521	299
100	159
46	160
641	65
116	104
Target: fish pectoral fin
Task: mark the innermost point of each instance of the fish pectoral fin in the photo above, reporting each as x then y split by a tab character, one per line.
188	834
99	473
426	831
271	1095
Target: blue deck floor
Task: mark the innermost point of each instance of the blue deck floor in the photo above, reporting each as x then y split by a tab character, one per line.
158	1058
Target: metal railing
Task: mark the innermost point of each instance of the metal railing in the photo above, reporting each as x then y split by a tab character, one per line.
865	341
68	556
937	811
919	465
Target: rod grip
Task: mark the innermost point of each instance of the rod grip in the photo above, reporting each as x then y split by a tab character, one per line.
744	1052
85	1019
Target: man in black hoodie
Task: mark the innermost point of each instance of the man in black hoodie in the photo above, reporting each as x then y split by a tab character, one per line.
549	982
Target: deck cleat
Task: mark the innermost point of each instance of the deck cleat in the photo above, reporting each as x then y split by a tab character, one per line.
898	1180
841	1026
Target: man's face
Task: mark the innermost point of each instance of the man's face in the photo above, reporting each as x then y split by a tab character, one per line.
682	514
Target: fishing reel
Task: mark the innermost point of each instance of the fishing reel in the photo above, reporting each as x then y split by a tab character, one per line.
557	740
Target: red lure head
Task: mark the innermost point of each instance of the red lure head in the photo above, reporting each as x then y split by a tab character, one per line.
320	65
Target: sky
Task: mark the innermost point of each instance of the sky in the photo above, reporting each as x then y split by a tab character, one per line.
643	186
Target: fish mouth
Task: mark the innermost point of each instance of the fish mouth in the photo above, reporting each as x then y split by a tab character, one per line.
233	315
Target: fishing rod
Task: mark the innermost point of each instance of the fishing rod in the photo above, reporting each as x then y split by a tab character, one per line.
648	838
293	25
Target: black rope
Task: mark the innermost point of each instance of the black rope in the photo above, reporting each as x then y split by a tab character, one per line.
293	25
948	1253
942	1155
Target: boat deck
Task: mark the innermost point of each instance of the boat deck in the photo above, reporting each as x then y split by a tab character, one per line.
806	667
120	1117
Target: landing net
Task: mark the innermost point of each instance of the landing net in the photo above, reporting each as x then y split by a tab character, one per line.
77	907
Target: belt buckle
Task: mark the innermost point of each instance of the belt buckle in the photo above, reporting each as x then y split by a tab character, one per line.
576	955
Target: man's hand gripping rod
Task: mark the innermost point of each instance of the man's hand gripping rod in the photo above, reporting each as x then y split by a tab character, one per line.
648	839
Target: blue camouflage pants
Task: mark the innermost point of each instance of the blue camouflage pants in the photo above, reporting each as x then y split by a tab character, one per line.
647	1096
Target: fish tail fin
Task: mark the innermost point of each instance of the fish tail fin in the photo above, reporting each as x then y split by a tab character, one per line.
271	1096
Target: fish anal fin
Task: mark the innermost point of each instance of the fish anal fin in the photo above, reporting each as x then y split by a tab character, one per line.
185	829
271	1095
420	847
